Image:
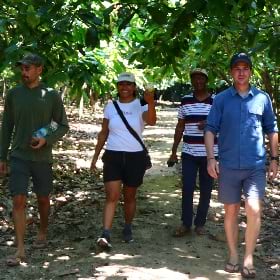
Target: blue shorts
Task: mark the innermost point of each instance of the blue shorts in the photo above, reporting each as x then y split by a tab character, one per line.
234	182
22	170
128	167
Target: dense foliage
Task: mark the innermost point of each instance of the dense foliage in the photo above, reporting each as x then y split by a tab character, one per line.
86	43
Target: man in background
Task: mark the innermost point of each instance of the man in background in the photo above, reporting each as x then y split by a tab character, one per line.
192	115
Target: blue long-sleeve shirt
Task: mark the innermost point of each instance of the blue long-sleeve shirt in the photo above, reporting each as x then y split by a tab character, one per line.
241	124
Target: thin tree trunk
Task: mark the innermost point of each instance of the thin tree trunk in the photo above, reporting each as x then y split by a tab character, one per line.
81	107
4	88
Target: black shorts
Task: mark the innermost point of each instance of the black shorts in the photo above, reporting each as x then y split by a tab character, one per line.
129	167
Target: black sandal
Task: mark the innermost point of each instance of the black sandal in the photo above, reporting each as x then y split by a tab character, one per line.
248	273
232	268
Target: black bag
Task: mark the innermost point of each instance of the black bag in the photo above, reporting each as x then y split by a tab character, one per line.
134	133
148	161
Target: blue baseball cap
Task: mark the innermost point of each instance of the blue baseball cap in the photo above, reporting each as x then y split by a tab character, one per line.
240	57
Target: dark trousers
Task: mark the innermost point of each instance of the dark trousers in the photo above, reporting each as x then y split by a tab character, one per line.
190	166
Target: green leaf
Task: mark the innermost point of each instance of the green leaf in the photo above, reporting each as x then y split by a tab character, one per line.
176	70
183	21
90	18
252	32
92	39
124	17
274	50
158	15
54	78
3	24
137	35
32	18
106	14
12	48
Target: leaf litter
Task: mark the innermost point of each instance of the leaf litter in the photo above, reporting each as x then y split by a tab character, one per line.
76	215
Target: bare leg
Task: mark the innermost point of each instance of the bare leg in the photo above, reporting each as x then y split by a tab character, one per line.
253	212
19	204
44	210
129	203
231	229
113	191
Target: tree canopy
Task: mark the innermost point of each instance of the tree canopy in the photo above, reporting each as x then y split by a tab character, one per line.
87	43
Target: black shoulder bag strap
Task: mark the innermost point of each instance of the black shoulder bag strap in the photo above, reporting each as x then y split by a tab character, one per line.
129	128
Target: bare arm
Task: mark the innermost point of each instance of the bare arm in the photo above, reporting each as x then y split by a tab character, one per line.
101	139
273	166
212	165
150	116
180	126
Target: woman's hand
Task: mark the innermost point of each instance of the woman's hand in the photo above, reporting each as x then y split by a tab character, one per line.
149	96
93	167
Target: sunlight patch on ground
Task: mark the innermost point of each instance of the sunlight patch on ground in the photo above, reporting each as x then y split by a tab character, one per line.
140	273
169	215
123	257
63	258
159	131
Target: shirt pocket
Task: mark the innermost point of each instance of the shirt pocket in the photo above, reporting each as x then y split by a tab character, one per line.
255	116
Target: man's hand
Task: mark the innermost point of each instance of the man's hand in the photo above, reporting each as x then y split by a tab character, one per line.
37	143
3	168
172	160
272	170
201	125
213	168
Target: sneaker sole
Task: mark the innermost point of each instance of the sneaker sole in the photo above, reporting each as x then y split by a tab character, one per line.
128	241
104	244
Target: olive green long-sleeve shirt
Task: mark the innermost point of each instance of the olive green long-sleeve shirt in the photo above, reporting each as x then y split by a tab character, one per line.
27	110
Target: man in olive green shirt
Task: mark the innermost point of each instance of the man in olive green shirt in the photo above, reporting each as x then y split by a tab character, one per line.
28	108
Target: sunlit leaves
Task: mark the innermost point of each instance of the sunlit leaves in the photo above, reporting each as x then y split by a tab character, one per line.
125	15
159	37
32	18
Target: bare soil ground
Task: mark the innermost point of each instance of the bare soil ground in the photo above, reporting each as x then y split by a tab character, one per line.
75	221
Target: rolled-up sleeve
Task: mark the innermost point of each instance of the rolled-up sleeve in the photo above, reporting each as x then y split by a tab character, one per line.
214	117
269	118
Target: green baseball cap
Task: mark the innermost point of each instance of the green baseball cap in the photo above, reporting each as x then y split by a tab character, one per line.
30	59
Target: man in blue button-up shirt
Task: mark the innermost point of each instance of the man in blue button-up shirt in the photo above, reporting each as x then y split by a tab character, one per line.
241	115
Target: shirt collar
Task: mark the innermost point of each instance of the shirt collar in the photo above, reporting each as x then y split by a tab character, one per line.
252	91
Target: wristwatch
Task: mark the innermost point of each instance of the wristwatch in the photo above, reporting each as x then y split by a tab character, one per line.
274	158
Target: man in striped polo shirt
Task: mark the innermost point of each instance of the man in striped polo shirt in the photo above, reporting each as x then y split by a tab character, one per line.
192	115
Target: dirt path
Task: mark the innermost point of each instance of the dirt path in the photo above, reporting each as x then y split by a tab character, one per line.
155	254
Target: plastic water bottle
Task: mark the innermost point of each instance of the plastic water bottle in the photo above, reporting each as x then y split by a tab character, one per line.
46	130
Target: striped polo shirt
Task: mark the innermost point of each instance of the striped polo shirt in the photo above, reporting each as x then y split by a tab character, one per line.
194	111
